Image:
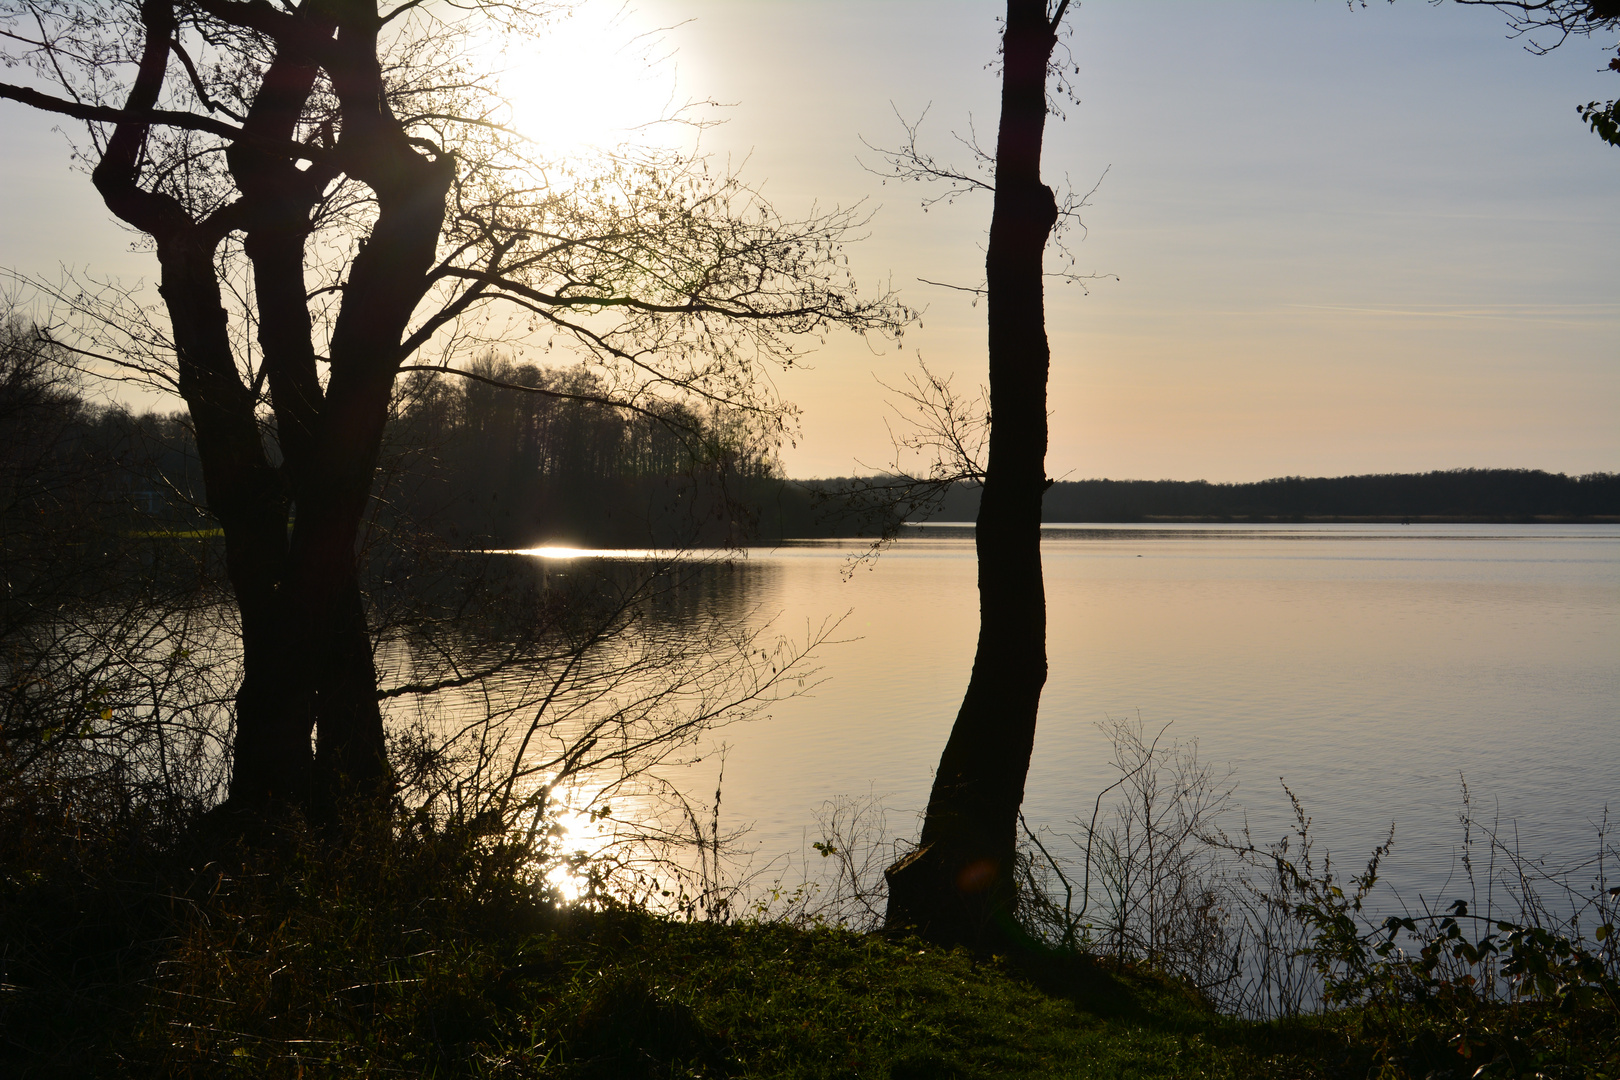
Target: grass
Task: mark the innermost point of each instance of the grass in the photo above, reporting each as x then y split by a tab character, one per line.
178	534
133	950
428	957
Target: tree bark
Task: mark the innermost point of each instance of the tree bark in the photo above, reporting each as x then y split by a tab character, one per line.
957	887
308	670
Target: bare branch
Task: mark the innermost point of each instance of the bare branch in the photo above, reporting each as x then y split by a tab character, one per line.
560	395
909	162
108	114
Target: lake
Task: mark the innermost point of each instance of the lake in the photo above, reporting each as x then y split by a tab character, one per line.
1370	666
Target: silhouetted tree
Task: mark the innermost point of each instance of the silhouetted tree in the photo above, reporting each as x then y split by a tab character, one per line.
958	885
328	188
1547	24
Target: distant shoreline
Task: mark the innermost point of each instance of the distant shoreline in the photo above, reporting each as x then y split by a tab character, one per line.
1454	497
1314	519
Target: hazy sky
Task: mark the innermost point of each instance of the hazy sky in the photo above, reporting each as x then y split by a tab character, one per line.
1346	241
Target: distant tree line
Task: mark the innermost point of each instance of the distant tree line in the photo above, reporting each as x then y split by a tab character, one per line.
477	463
519	455
1455	494
78	480
466	460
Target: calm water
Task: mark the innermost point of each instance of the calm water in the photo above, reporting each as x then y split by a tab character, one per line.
1369	666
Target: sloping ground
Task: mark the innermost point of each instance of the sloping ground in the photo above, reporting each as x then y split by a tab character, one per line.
772	1001
422	952
350	985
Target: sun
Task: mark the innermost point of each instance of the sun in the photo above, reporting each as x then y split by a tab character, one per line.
599	78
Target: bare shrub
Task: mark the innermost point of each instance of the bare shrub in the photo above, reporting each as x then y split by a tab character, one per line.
569	728
114	675
842	884
1276	929
1154	879
1140	880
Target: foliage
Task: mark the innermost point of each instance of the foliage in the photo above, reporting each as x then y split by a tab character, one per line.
1604	119
1536	993
1545	25
342	956
520	454
1275	931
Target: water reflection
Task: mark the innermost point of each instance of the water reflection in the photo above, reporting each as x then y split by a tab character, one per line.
1372	666
572	707
633	555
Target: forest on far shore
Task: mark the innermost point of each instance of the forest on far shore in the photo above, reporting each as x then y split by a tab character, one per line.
484	466
1461	495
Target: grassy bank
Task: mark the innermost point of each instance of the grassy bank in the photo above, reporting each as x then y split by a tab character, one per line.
297	969
395	952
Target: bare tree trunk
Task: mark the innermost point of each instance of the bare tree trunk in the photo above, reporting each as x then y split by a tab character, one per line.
308	667
958	886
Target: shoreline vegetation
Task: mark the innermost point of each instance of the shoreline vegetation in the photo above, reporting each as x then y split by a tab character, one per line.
708	508
501	471
1450	497
135	942
1310	519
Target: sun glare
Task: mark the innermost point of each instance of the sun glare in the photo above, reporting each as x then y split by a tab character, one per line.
598	78
561	552
580	836
581	827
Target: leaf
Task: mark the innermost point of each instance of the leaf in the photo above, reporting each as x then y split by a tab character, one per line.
1604	119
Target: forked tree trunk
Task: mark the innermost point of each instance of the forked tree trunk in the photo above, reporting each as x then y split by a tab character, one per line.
309	730
957	887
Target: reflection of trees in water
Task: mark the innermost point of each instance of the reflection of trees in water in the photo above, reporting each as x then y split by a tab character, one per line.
115	667
533	695
551	698
560	715
131	693
565	712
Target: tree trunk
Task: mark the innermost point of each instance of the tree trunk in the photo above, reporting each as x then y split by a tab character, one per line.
958	886
308	670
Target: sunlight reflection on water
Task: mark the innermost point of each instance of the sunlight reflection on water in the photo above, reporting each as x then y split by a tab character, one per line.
1369	666
655	555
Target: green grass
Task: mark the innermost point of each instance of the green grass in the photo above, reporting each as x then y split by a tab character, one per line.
429	959
390	953
773	1001
177	534
628	995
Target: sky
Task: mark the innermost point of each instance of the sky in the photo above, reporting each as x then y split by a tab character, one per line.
1332	240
